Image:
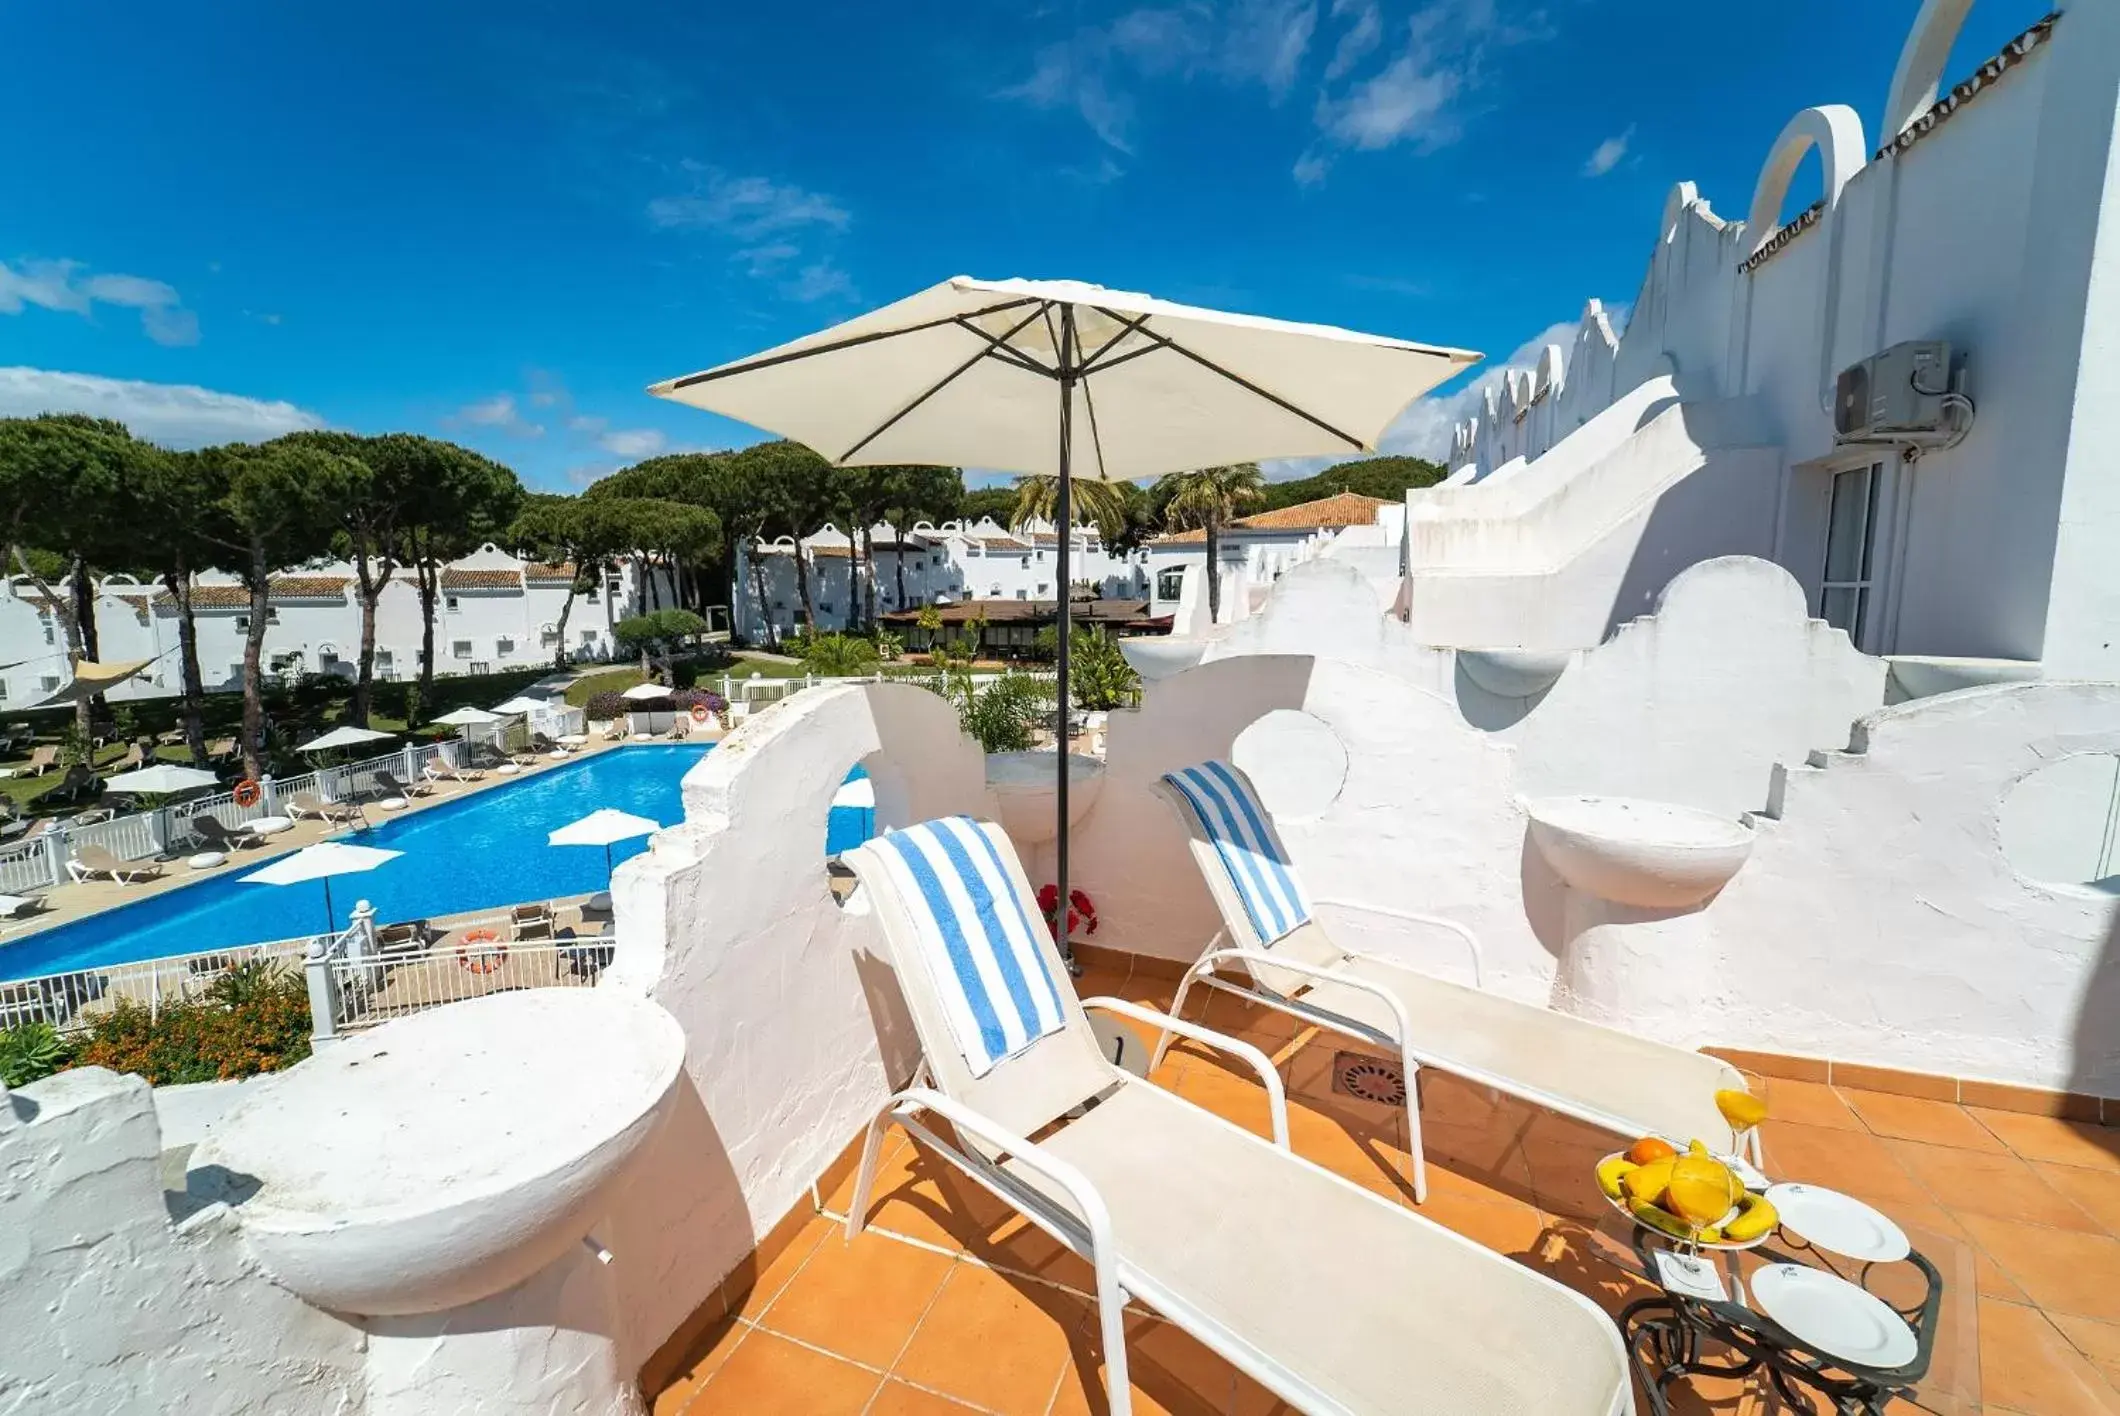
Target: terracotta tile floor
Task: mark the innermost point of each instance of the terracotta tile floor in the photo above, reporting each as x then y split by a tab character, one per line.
948	1303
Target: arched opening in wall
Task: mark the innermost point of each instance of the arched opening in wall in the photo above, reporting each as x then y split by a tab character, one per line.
1295	759
1807	187
874	789
1988	26
2060	825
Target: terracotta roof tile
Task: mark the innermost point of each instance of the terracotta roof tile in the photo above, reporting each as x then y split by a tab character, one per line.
562	573
1332	513
453	579
220	597
309	587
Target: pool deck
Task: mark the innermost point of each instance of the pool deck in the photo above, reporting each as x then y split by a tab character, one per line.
64	904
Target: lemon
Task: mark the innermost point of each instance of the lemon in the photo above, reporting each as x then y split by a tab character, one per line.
1646	1182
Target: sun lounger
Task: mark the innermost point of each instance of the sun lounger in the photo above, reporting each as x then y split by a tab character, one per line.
41	760
410	937
91	861
1602	1076
308	804
207	833
440	769
393	787
1334	1299
530	922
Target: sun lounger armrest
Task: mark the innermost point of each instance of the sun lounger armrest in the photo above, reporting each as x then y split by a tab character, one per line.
1472	943
1088	1204
1276	1095
1294	966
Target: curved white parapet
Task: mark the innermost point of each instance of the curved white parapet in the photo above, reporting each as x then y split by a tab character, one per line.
448	1156
1157	657
1026	784
1514	673
1649	854
1926	675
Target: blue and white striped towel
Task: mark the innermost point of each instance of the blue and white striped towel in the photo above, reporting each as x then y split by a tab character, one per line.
977	936
1258	868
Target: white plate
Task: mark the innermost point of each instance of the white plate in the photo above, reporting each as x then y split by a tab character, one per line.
1833	1316
1839	1223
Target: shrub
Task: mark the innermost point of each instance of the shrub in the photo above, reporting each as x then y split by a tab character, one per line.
839	656
604	707
687	699
30	1052
252	1019
1003	714
889	647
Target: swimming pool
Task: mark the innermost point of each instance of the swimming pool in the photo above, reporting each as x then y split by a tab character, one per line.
482	851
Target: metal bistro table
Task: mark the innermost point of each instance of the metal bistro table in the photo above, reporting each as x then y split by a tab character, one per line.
1665	1336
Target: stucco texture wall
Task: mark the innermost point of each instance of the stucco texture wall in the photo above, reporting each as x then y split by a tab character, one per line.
790	1010
110	1307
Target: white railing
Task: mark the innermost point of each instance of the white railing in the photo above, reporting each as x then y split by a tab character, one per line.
25	867
72	1001
126	837
370	988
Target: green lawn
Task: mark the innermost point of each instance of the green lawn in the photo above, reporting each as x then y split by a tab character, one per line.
749	664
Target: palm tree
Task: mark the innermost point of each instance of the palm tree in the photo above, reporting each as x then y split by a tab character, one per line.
1098	504
1210	499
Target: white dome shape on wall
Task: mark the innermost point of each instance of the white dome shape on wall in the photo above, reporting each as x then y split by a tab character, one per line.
1836	131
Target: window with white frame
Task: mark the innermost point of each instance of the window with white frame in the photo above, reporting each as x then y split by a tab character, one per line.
588	640
49	636
1844	595
1023	594
480	666
502	648
1170	582
459	648
449	602
548	634
242	624
1027	561
50	682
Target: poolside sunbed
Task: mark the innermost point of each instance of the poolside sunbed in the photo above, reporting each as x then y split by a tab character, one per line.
1334	1299
1607	1078
91	861
308	804
530	922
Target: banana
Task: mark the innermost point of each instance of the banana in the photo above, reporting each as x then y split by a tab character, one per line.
1755	1217
1698	1147
1660	1219
1610	1172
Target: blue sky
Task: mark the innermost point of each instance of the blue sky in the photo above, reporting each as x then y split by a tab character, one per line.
498	223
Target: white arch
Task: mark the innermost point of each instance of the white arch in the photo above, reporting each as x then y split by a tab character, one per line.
1836	131
1919	77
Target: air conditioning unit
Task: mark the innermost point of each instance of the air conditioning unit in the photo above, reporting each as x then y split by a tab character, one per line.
1899	395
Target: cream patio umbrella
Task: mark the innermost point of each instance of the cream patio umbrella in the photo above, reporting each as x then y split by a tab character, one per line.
1071	380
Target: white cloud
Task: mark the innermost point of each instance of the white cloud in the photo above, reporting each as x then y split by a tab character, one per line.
1608	154
1425	428
819	280
633	443
175	415
1237	42
748	208
61	286
1417	94
499	413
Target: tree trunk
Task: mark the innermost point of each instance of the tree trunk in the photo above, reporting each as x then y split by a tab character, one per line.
430	575
868	579
62	611
253	654
566	608
179	582
371	592
83	590
1214	571
898	558
765	599
644	575
802	583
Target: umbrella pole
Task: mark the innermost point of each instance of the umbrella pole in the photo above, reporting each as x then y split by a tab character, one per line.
331	918
1065	586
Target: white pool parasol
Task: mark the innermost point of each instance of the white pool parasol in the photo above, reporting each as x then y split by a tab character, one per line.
321	862
643	692
1062	378
343	737
162	779
603	827
466	717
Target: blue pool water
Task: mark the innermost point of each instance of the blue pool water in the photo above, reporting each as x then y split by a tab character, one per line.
481	852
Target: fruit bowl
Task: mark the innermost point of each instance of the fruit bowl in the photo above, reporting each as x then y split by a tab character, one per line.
1624	1210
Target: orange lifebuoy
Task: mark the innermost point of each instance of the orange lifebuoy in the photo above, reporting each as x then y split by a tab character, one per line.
481	952
248	793
699	712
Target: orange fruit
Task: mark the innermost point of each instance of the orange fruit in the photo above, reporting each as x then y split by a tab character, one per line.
1650	1148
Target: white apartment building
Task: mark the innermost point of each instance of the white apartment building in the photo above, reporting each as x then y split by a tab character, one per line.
495	611
944	564
1250	538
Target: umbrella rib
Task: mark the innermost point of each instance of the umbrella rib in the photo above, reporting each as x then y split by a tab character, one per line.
1164	341
887	424
852	342
1096	443
1138	325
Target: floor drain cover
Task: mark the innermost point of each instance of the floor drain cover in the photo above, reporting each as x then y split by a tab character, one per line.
1369	1078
